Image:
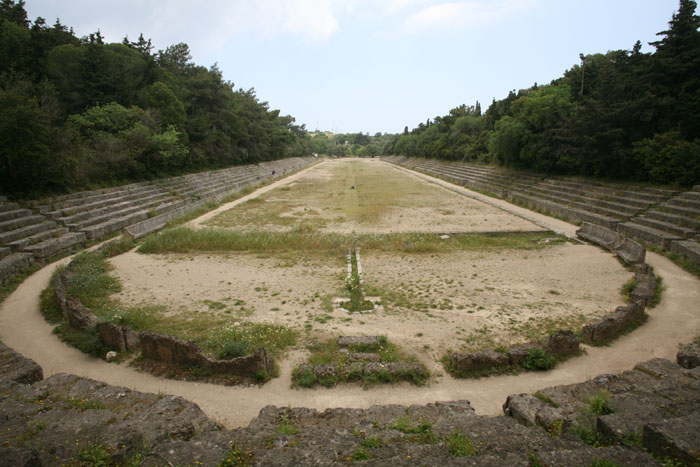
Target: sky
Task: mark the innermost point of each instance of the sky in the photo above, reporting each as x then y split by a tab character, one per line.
371	66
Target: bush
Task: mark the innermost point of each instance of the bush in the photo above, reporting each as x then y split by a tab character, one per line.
599	404
539	360
304	378
233	349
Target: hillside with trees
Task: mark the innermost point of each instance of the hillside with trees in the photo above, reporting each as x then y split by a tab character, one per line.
621	115
80	113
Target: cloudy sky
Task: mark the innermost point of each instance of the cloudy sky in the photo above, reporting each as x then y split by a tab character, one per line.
374	65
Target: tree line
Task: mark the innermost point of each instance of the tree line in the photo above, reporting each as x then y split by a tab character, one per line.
80	113
622	115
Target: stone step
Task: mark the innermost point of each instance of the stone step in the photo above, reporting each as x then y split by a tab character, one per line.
22	243
97	231
561	210
8	207
647	234
14	263
4	251
117	210
685	202
14	214
681	231
55	246
694	195
27	231
688	248
142	194
676	219
14	224
680	210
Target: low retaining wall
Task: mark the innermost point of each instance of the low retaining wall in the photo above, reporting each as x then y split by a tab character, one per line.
613	324
169	349
154	346
562	344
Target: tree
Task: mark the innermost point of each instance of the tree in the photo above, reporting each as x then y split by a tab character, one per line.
677	69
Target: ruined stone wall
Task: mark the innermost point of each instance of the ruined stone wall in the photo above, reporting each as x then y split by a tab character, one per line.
159	347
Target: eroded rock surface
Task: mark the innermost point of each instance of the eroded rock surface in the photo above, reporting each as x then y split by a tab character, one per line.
68	420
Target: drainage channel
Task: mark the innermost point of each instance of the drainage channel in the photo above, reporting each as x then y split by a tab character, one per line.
357	303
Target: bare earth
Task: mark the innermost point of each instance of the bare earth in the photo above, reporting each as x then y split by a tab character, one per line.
515	290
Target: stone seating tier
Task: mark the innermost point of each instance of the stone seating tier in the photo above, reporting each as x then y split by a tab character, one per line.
615	196
14	214
18	223
680	210
669	227
26	231
684	221
563	211
688	248
120	210
647	234
56	246
622	210
36	238
626	192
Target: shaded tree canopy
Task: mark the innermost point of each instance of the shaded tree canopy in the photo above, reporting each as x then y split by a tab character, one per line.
623	114
80	113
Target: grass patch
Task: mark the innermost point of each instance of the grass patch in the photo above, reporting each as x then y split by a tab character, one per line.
90	282
237	457
599	404
220	336
546	399
539	360
627	289
459	445
422	429
343	370
200	211
186	240
658	292
118	246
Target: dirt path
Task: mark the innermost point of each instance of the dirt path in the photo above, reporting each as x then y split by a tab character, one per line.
674	321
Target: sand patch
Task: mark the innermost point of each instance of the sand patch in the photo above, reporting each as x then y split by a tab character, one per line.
463	301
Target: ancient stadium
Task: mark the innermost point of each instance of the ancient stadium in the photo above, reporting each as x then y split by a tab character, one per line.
386	310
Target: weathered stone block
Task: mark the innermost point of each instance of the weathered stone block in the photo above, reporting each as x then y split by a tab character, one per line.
563	343
689	356
346	341
677	438
477	361
17	368
631	252
112	336
523	408
603	236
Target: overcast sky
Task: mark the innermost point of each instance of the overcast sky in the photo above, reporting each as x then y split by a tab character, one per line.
372	65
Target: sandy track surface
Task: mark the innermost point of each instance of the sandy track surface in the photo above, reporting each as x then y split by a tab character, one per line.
674	321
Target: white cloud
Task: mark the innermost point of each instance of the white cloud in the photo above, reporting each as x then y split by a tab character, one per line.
450	16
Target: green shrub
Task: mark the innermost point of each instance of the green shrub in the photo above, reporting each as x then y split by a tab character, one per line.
459	445
539	360
304	378
233	349
599	404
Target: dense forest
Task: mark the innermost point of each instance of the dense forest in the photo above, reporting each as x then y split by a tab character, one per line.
79	112
623	115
